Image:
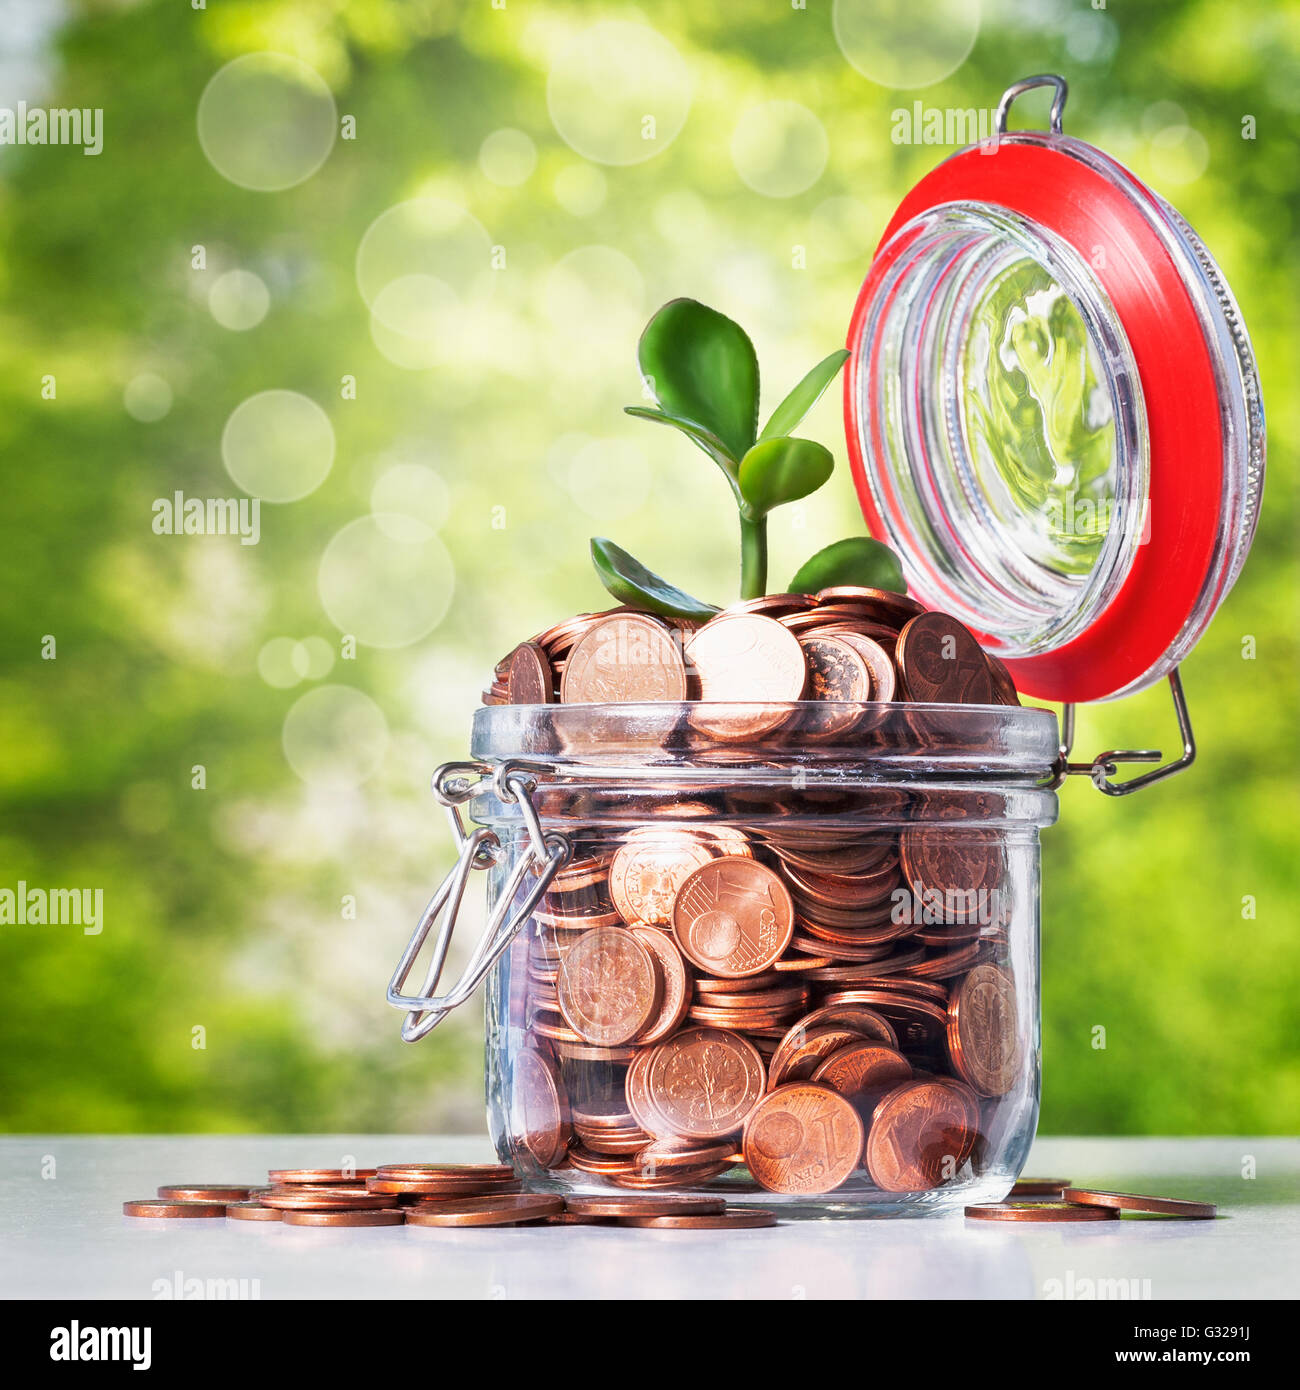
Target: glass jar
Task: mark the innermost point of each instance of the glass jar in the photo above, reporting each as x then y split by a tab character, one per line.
840	894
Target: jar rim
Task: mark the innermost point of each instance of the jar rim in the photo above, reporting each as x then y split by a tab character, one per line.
875	739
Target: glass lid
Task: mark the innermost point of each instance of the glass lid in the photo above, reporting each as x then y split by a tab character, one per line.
1053	412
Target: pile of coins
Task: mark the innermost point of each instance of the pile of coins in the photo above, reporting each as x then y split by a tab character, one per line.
842	645
693	998
432	1194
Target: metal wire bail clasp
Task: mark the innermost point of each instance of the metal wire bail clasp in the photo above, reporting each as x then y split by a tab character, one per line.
453	785
1060	90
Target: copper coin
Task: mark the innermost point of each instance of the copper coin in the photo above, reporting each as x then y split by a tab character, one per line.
644	1206
892	608
838	673
580	1052
328	1176
1038	1211
637	1093
674	984
578	921
861	1019
529	679
863	1069
539	1107
1094	1200
316	1198
744	658
704	1082
749	984
984	1031
733	1219
939	661
608	986
160	1207
666	1155
610	1113
802	1138
571	1218
1004	685
605	1165
646	874
920	1133
642	1180
252	1211
204	1192
954	874
1040	1187
798	1056
453	1172
345	1218
878	662
630	657
489	1211
581	873
733	917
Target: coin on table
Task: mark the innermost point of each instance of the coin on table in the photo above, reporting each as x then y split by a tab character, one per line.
317	1198
940	661
204	1192
745	658
802	1138
529	678
1038	1211
702	1083
1095	1200
733	1219
919	1136
626	657
608	987
160	1207
329	1177
508	1210
345	1218
733	917
674	984
646	873
984	1030
252	1211
645	1206
1040	1187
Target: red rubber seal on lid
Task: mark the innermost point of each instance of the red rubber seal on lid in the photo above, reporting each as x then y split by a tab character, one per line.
1056	190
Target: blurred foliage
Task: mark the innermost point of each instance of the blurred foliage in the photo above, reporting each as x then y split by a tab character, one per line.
222	905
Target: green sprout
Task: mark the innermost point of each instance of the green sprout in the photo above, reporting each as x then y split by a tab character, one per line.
702	371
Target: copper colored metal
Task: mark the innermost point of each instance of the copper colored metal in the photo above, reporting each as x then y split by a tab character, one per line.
159	1207
1038	1211
608	986
863	1069
802	1138
627	657
674	985
1040	1187
616	1206
704	1082
1094	1200
330	1177
204	1192
799	1055
733	1219
252	1211
529	678
920	1133
509	1210
345	1218
539	1107
733	917
647	872
745	659
837	674
984	1031
319	1198
939	661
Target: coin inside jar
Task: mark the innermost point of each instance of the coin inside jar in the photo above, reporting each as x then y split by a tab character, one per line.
919	1135
627	657
529	678
704	1082
802	1138
745	658
608	987
733	917
983	1030
940	661
646	873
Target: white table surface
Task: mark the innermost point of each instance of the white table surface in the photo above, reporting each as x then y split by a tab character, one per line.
62	1233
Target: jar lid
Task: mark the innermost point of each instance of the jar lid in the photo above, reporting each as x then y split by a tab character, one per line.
1053	412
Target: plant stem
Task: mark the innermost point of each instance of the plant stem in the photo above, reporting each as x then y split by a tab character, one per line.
753	556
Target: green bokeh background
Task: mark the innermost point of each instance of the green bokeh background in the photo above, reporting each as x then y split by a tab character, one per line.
223	905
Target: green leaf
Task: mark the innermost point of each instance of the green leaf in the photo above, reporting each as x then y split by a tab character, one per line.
776	471
702	367
630	582
858	560
706	439
801	400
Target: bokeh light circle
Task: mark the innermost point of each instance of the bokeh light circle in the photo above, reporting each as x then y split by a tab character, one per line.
410	490
147	397
593	300
609	478
239	300
906	43
618	92
267	121
282	662
386	582
278	445
581	189
335	737
507	157
779	148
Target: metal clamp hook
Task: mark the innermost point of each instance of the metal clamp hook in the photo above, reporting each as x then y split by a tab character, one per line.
479	849
1103	767
1059	85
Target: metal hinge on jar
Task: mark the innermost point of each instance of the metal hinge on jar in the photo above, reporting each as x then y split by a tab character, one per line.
547	851
1103	767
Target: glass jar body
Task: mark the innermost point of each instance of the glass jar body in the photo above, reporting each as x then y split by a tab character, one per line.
778	973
